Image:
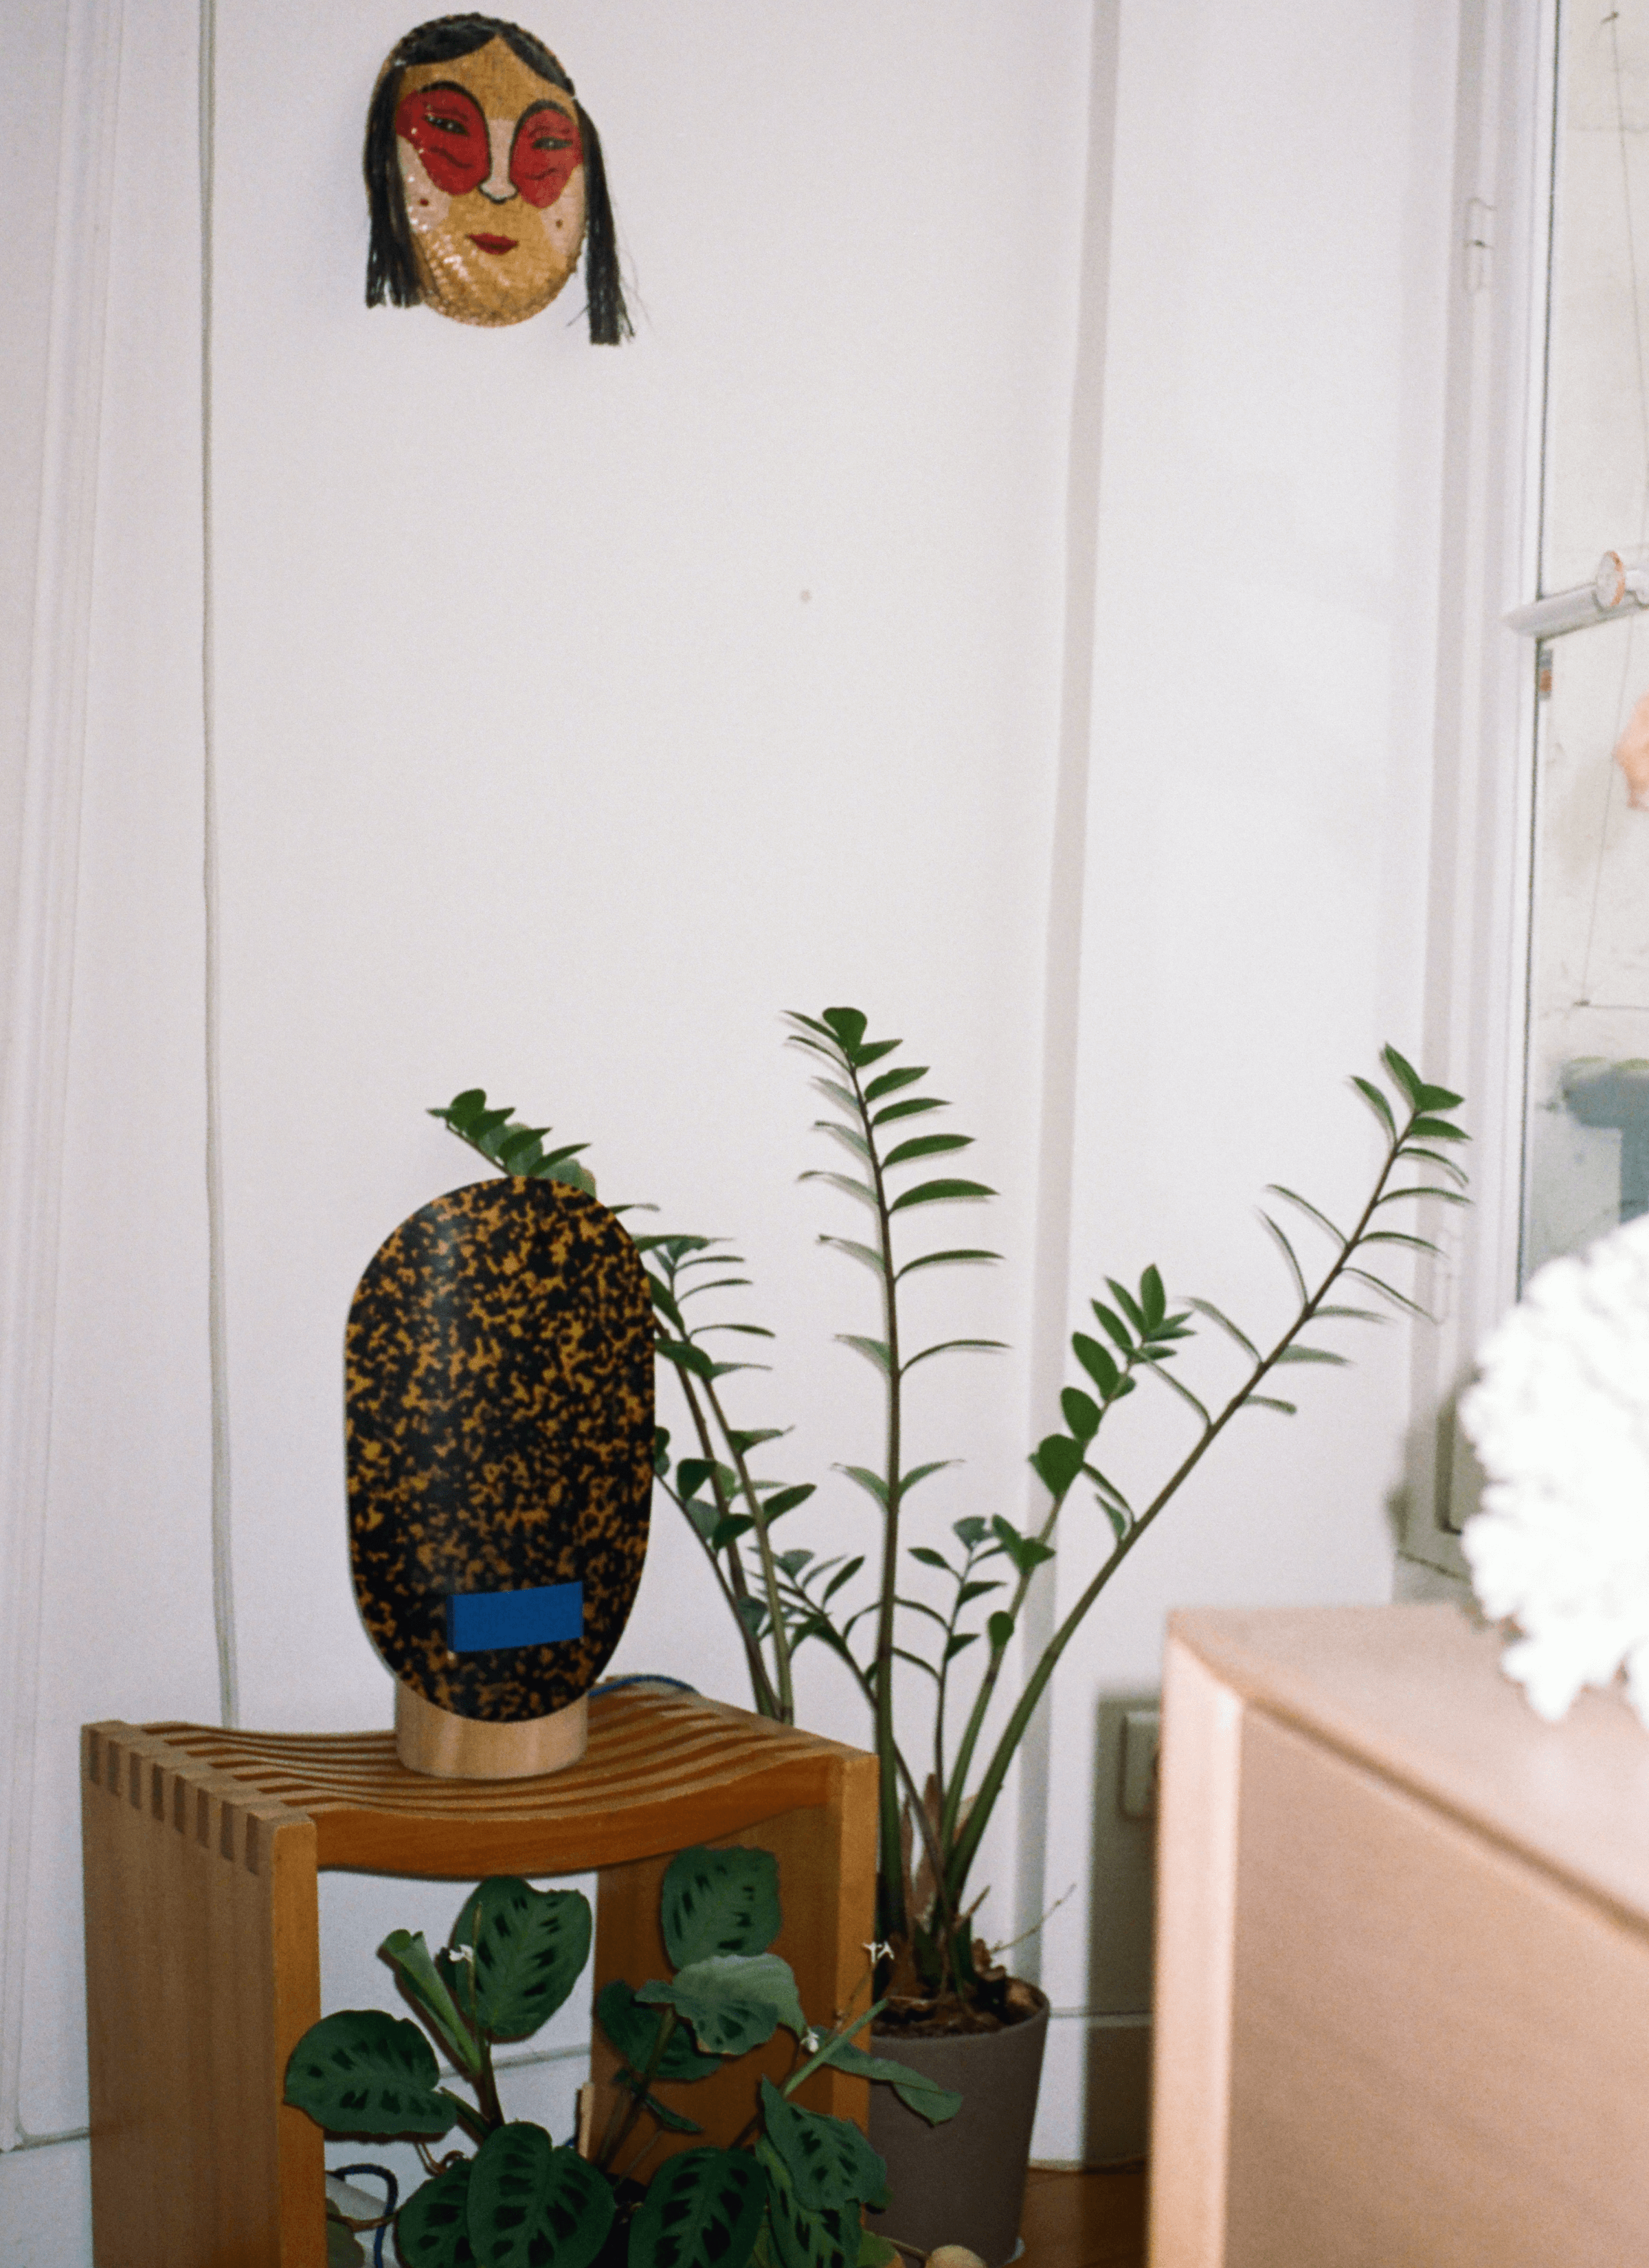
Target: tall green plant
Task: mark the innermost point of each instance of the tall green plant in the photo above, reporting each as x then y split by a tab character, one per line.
782	1600
871	1112
1140	1336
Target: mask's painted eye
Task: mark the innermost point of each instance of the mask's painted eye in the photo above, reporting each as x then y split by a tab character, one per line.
548	152
446	127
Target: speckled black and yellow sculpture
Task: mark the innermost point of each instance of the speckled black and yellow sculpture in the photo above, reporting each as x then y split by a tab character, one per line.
498	1375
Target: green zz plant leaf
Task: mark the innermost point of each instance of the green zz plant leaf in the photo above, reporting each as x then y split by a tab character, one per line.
533	2206
720	1902
432	2228
505	1142
529	1947
704	2210
362	2072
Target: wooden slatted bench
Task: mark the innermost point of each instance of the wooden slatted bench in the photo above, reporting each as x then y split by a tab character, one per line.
202	1849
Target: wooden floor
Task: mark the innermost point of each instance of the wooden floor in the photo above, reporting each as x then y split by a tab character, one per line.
1085	2221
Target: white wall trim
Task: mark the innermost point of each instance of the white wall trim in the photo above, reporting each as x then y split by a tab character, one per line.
1067	881
40	1007
218	1323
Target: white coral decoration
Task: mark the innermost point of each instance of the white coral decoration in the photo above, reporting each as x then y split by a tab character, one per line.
1560	1419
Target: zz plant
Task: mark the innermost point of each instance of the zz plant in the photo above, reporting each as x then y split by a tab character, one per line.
789	2193
923	1607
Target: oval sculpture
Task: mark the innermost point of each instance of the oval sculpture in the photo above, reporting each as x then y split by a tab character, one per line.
498	1382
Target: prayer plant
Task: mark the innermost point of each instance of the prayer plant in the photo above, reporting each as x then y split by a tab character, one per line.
873	1610
788	2192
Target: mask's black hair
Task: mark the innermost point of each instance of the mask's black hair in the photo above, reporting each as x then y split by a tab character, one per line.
391	268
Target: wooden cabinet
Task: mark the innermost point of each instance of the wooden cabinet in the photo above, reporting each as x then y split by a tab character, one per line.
1402	1988
203	1964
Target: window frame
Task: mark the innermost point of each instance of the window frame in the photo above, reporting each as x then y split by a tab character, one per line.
1477	944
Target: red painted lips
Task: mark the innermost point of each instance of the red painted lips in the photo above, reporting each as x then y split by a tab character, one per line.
494	243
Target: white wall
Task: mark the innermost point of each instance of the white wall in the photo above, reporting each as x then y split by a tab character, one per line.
1257	838
580	711
577	711
105	1563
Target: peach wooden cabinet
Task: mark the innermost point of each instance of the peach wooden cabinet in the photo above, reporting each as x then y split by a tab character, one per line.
202	1967
1402	1983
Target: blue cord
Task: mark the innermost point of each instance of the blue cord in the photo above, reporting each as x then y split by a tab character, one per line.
392	2190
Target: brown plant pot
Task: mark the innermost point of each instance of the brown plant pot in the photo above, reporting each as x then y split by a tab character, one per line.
962	2182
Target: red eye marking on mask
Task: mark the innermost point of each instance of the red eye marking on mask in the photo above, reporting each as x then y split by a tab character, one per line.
446	127
548	152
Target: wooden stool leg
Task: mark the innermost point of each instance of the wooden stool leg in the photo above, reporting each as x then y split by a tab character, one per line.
826	1862
202	1971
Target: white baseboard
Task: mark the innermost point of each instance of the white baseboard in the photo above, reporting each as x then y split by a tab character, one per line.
1094	2105
46	2207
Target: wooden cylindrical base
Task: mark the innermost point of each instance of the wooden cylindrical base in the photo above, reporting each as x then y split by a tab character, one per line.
435	1742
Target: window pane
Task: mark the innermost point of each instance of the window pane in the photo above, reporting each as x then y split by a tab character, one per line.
1587	1158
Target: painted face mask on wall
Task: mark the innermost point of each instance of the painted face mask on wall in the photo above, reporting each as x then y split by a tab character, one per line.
484	181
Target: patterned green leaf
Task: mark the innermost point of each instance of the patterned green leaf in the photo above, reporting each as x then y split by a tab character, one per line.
703	2209
531	2206
632	2029
530	1949
732	2001
803	2239
428	1989
362	2072
432	2228
720	1902
828	2160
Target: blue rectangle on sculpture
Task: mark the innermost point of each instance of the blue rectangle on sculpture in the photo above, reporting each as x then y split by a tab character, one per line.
481	1622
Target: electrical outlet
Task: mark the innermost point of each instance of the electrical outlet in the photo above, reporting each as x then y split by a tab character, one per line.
1141	1729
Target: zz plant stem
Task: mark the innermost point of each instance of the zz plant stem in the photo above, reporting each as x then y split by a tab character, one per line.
1142	1337
964	1846
783	1598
